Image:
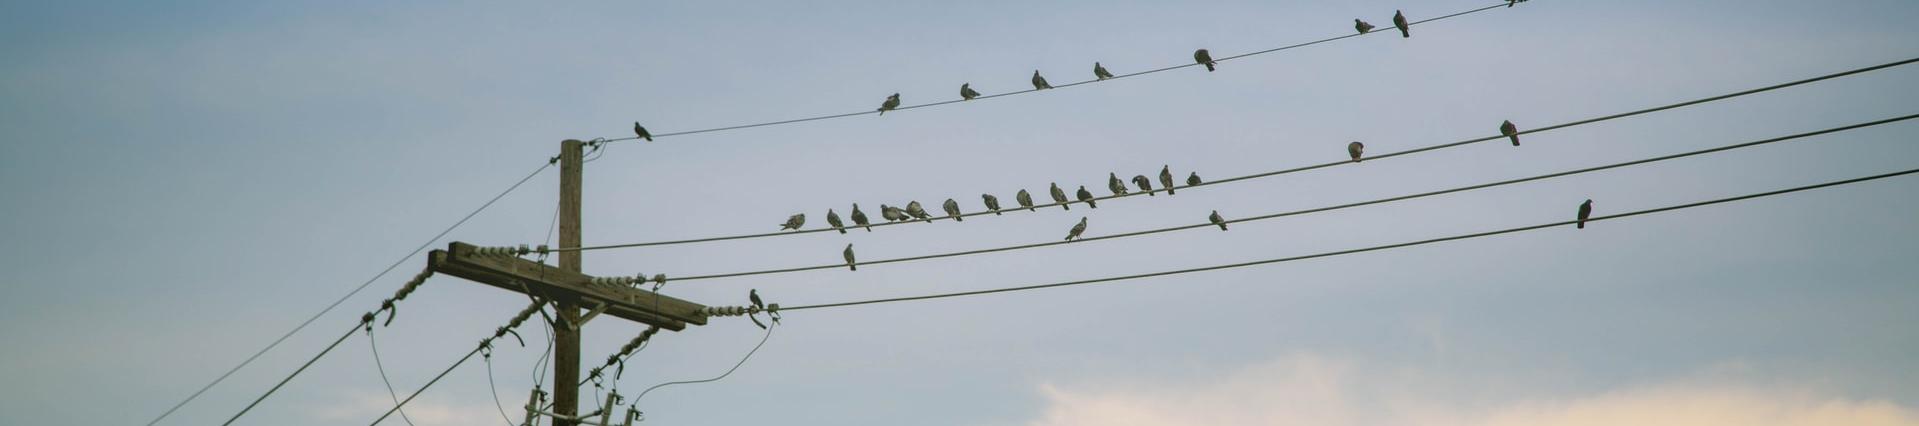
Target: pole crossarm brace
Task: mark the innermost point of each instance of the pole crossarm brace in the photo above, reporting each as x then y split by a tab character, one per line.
520	275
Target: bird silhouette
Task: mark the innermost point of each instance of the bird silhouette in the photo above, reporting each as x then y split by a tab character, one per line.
1510	131
914	209
1362	26
834	220
848	254
1355	149
641	132
1217	220
952	210
1204	58
1087	196
859	218
1585	211
1399	21
1059	196
992	203
1114	184
890	103
1040	82
794	222
966	91
1166	178
1193	179
753	296
1077	229
1145	185
1025	200
1099	72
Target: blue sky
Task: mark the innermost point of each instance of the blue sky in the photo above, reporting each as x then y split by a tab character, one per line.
181	182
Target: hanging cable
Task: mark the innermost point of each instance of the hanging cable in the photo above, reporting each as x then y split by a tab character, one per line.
484	345
729	371
381	367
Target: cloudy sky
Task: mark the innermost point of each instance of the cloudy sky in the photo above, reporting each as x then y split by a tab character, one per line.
182	182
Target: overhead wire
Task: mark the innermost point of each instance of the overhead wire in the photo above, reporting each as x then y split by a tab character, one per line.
486	343
381	367
1345	252
729	371
1290	170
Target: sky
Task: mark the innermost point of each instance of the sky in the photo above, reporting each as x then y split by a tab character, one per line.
181	182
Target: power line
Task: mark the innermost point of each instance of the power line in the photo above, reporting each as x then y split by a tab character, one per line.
1296	169
296	373
729	371
484	344
1322	209
381	367
336	303
1062	86
1350	251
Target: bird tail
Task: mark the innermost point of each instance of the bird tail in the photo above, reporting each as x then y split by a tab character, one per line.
853	266
1169	190
958	219
996	212
842	231
1582	224
1209	67
1064	206
869	228
1515	139
1405	34
1092	204
1069	237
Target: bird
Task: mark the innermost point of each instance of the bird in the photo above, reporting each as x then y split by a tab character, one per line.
892	214
850	264
1025	200
952	210
1217	220
753	295
834	220
794	222
913	208
1114	184
1087	196
859	218
1059	196
1099	72
1077	229
1399	21
1509	3
992	203
1511	131
890	103
1204	58
1355	149
1040	82
640	131
1192	179
1362	26
966	91
1145	185
1585	211
1166	178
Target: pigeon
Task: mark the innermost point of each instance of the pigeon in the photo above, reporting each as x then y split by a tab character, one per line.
1166	178
913	208
992	203
1059	196
1204	58
952	210
1025	200
1512	132
1040	82
1087	196
859	218
850	264
966	91
892	214
1585	211
1217	220
891	103
641	132
834	220
1399	21
1145	185
1355	149
754	296
1114	184
1077	229
1362	26
1099	72
1192	179
794	222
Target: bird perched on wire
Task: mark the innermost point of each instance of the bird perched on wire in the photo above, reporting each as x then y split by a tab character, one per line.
1362	26
1025	200
1114	184
1077	229
1040	82
753	296
1087	196
992	203
1585	211
1510	131
952	210
1399	21
914	209
1145	185
848	254
1509	3
1099	72
890	103
892	214
1166	178
966	91
1059	196
794	222
859	218
1193	179
640	131
1203	57
1355	149
833	219
1217	220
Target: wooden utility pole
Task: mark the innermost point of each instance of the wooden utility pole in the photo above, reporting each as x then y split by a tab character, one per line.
566	338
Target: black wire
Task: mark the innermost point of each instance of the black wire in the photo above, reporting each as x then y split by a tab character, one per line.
429	383
494	388
296	372
1344	252
381	367
729	371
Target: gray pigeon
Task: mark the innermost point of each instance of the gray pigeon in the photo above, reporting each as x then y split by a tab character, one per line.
859	218
1040	82
834	220
1114	184
1217	220
952	210
891	103
1166	178
1099	72
1059	196
641	132
1077	229
1355	149
1025	200
1087	196
1362	26
892	214
913	208
1585	211
966	91
1204	58
1193	179
992	203
1510	131
1399	21
794	222
1145	185
848	254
